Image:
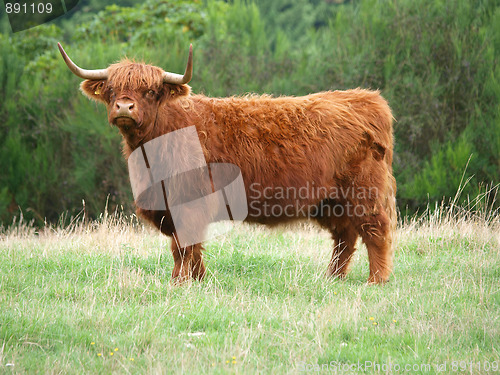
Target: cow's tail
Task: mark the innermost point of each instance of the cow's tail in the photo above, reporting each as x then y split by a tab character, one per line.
389	204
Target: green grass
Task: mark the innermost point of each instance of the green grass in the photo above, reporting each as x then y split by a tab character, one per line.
96	298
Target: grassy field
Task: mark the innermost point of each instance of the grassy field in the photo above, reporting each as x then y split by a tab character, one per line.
96	298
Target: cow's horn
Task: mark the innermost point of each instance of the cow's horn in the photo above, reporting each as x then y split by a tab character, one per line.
82	73
177	79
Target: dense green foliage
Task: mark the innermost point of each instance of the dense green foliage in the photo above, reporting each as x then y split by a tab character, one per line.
436	61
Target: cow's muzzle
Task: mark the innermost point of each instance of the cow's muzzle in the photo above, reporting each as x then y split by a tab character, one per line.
124	113
124	108
125	122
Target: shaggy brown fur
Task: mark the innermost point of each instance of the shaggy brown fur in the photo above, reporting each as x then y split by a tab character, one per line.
335	147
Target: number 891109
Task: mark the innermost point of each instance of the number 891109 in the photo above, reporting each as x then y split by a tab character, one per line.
33	8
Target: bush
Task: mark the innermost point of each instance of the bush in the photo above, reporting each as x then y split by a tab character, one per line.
435	61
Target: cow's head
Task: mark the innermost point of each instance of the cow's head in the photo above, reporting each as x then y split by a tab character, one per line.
132	91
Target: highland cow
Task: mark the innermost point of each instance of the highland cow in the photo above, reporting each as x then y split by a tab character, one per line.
326	156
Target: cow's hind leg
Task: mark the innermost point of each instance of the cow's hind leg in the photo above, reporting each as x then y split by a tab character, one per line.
344	236
188	262
377	227
377	233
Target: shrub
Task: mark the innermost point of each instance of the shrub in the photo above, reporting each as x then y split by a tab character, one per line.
435	61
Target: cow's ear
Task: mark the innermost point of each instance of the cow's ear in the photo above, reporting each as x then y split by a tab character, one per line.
93	89
176	91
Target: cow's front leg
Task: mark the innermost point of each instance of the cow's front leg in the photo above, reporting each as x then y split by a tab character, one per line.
197	265
188	262
183	258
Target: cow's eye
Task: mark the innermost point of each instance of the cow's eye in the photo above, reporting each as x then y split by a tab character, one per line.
110	94
150	94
